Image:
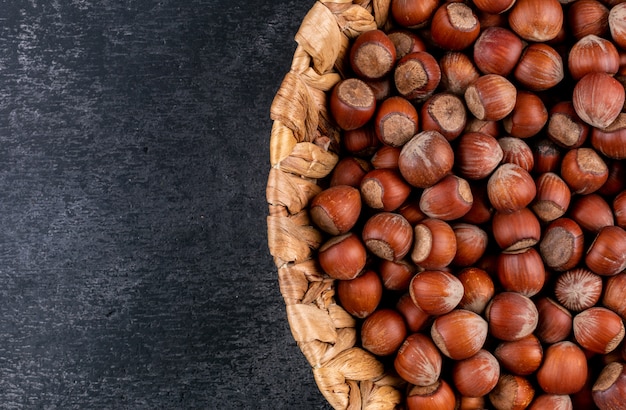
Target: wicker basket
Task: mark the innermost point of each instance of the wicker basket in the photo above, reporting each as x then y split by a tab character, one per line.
303	148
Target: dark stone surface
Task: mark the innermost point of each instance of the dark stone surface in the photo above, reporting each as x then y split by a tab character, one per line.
134	269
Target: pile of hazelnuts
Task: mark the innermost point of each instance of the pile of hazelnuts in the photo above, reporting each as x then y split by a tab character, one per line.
476	220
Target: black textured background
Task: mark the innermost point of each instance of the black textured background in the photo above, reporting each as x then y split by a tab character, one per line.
134	269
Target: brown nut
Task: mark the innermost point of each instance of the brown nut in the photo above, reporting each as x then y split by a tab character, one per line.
426	159
383	332
477	155
598	329
343	257
562	244
511	316
607	254
418	360
454	26
598	99
522	272
434	244
459	334
477	375
478	289
553	197
436	292
536	20
388	235
564	369
505	199
578	289
540	67
360	296
521	357
491	97
336	209
448	199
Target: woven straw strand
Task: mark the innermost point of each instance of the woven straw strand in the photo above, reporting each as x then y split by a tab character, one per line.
303	146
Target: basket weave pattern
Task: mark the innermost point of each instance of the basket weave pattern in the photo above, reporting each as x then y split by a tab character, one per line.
303	150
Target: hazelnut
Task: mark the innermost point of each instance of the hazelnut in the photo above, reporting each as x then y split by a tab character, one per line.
553	197
360	142
384	189
516	151
352	103
592	54
615	294
481	210
436	292
491	97
383	332
459	334
411	14
425	159
372	55
617	24
448	199
494	6
416	319
536	20
478	289
477	375
552	401
607	254
611	141
360	296
598	99
586	17
445	113
564	369
591	212
598	329
555	322
578	289
349	171
406	42
471	243
386	157
438	395
396	275
539	68
565	128
417	75
434	244
547	156
562	244
515	231
418	360
511	316
512	392
396	121
609	390
477	155
343	257
457	72
336	209
454	26
500	184
497	50
584	170
528	117
388	235
521	272
521	357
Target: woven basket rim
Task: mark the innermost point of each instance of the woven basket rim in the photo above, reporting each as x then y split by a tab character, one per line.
303	143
